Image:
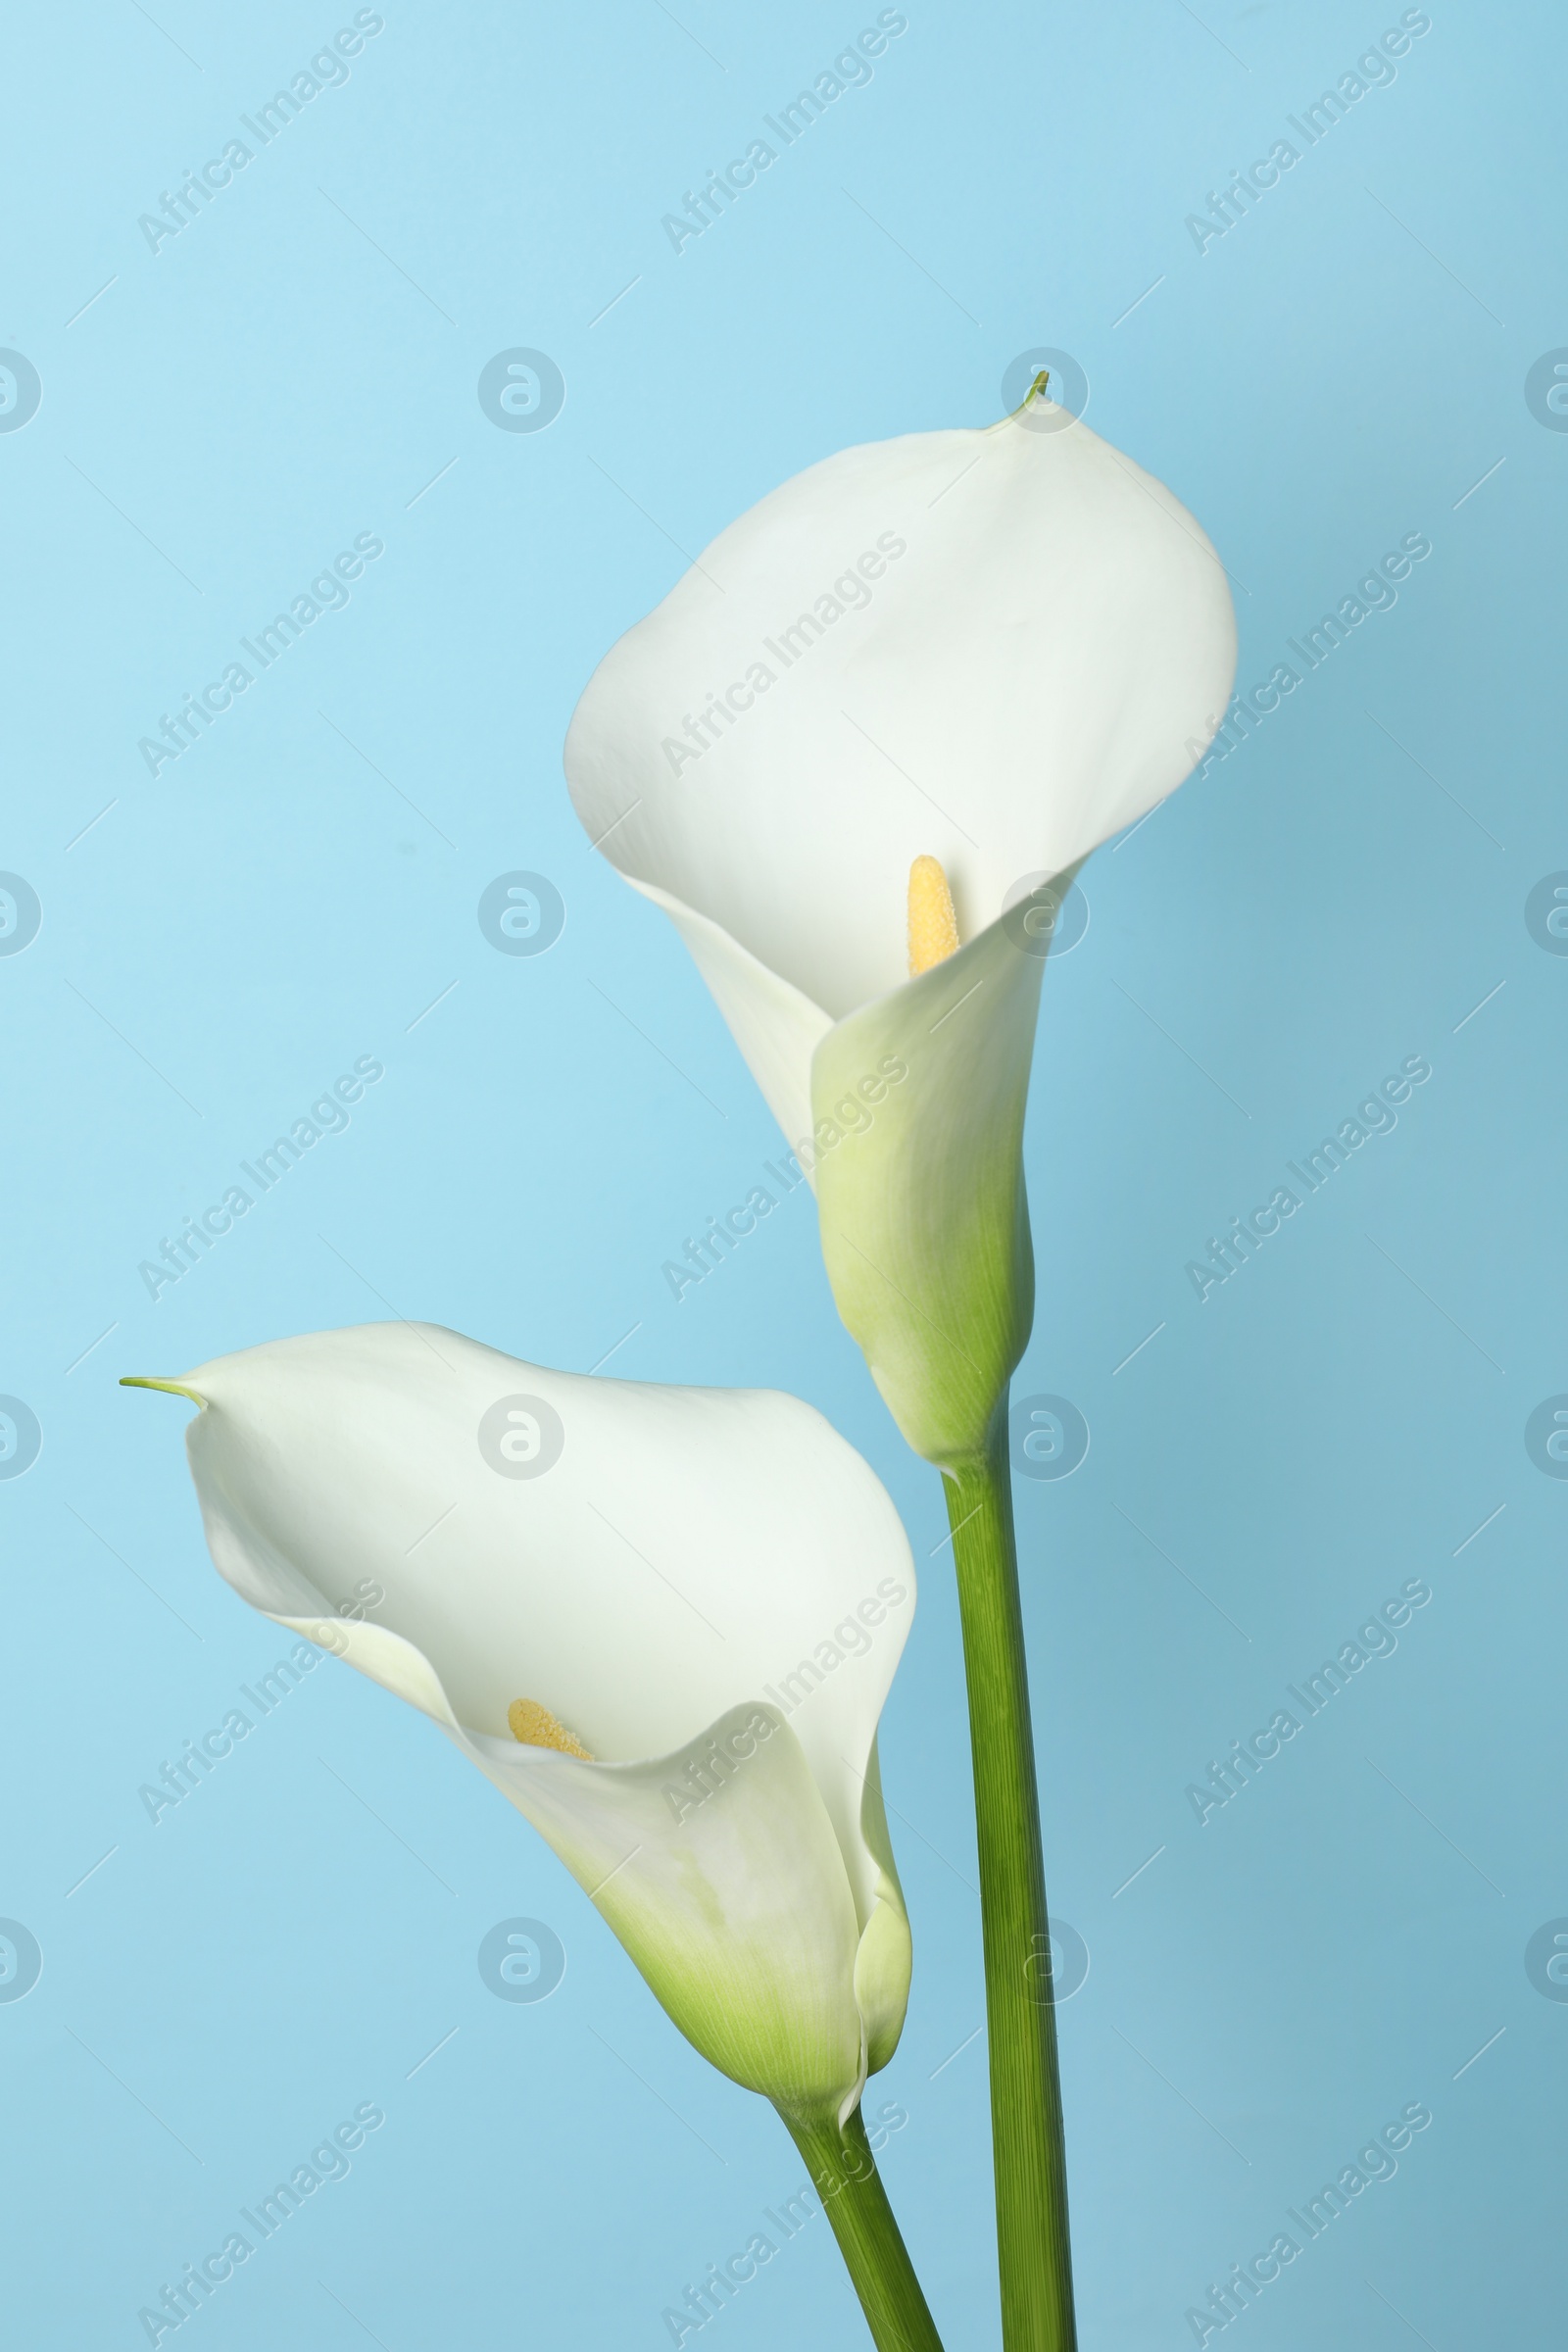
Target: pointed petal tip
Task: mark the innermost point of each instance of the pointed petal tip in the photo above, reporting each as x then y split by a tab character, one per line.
171	1387
1039	389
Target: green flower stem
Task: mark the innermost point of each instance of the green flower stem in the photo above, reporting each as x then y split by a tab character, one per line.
1034	2253
844	2177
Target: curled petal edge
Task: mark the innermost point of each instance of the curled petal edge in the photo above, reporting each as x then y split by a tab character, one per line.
737	1909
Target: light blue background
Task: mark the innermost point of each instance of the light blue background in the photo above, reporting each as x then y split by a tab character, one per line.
1337	370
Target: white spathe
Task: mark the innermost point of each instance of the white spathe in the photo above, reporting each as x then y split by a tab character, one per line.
998	648
686	1551
1041	661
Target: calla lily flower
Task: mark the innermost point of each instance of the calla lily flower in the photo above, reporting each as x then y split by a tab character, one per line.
663	1621
984	651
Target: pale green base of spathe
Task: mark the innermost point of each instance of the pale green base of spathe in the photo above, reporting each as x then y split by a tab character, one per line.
925	1224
